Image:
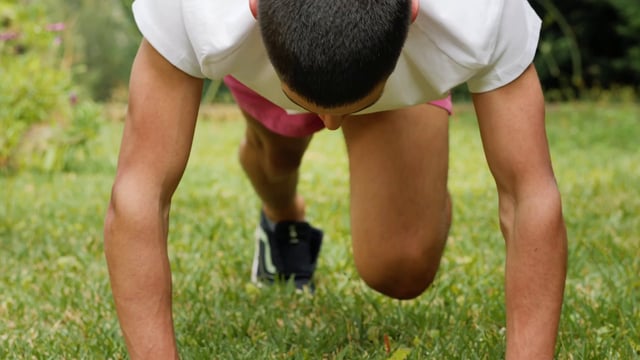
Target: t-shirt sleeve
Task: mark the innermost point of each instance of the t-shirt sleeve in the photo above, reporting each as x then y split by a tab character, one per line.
516	44
161	23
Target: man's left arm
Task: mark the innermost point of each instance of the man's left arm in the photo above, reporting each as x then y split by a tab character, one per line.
511	120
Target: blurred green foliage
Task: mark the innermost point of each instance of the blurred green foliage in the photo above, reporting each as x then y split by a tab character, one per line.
588	46
104	42
44	124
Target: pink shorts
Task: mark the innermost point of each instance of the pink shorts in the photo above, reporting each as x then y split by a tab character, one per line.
276	119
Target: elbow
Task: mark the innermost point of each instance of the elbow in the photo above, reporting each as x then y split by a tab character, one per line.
547	204
135	210
535	213
542	195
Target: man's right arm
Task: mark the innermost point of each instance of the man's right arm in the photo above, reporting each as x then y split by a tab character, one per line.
163	106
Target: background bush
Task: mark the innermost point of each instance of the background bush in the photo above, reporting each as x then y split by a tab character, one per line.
105	41
42	119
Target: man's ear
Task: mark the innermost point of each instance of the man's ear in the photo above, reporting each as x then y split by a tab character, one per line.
415	6
253	5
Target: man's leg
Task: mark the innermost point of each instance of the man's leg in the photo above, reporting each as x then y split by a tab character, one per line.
287	247
271	162
400	207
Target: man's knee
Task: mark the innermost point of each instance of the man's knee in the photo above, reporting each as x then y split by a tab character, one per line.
282	163
402	272
400	282
275	163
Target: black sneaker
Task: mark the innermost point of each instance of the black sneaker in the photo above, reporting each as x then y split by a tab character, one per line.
290	252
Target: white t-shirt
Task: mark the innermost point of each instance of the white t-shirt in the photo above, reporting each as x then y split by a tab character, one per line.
485	43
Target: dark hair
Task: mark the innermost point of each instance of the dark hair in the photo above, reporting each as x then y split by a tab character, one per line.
333	52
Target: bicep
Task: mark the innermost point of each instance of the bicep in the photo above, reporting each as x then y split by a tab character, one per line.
161	116
511	121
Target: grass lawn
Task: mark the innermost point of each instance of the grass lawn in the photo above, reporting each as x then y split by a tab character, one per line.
55	300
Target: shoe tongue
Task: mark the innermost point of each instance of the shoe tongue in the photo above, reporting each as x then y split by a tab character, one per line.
294	247
292	232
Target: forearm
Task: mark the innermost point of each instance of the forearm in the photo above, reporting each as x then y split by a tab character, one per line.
136	252
535	274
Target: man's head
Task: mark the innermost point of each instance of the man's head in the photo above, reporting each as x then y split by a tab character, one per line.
334	52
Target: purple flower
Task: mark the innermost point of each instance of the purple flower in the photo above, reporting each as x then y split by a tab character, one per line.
9	35
56	27
73	98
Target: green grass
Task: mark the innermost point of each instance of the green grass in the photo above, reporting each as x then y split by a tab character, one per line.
55	300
